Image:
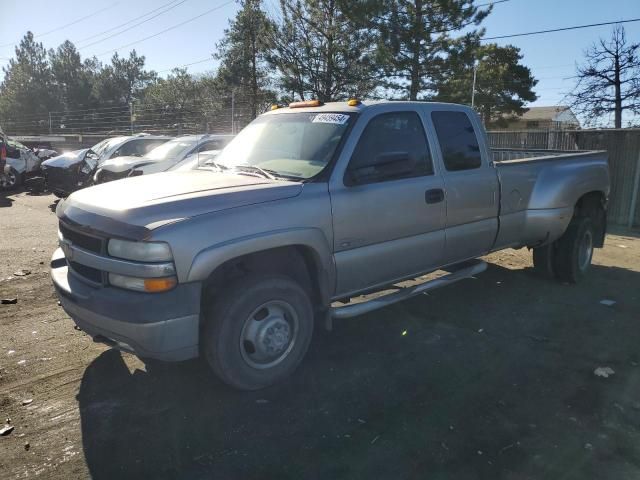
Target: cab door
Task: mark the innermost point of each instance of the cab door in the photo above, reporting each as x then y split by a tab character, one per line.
471	182
388	201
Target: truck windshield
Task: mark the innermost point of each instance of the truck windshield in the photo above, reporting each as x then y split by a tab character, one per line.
294	145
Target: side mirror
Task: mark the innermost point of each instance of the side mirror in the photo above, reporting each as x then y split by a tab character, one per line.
384	166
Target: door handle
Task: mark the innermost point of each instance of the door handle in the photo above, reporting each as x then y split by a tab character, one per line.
435	195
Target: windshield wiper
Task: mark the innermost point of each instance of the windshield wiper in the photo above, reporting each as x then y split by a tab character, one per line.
211	163
253	169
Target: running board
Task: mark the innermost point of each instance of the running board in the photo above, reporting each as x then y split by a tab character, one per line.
457	273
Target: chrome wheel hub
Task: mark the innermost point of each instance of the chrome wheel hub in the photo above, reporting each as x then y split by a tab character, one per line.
268	334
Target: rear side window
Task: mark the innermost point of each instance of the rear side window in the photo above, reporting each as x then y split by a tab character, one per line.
458	141
392	145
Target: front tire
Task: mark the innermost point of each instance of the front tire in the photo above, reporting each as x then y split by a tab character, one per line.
12	180
257	331
574	250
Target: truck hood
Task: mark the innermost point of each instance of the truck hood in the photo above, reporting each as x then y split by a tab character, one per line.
123	164
66	159
149	202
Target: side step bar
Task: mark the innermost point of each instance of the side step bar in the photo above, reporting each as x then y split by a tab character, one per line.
458	272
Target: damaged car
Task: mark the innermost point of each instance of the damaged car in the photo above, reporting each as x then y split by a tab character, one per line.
161	158
72	171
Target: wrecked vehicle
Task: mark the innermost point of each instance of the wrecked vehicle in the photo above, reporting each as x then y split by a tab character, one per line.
161	158
75	170
20	162
308	208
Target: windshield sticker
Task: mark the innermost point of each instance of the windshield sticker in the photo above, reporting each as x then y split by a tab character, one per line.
336	118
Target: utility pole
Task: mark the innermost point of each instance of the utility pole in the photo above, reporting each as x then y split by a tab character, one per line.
473	88
131	116
233	107
50	124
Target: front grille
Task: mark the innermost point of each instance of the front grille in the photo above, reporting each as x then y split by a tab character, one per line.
91	274
87	242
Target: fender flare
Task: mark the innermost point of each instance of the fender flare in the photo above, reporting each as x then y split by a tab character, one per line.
209	259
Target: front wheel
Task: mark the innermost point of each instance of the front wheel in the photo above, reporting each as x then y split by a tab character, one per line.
574	250
257	331
12	179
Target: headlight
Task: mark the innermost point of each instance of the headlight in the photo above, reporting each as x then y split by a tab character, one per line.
149	285
140	251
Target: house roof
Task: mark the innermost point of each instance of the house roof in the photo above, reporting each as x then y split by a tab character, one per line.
544	113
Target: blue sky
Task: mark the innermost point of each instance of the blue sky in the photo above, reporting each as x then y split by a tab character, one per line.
551	56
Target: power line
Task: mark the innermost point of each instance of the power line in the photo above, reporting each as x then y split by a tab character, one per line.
125	23
66	25
208	59
133	26
169	28
563	29
491	3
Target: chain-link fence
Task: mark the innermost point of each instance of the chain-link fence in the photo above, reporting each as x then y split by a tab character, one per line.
226	114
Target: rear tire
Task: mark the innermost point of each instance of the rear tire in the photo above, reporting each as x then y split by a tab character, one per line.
257	331
574	250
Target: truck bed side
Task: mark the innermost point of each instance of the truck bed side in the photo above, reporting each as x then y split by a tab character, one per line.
539	194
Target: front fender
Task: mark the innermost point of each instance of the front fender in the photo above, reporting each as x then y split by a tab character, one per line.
209	259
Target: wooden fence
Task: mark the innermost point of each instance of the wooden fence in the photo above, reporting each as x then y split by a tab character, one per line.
622	145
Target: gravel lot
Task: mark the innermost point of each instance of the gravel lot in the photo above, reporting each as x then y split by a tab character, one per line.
490	378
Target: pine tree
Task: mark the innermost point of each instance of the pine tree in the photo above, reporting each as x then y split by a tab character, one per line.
28	82
416	38
503	84
322	50
243	52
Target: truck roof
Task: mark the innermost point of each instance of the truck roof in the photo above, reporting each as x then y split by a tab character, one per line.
343	106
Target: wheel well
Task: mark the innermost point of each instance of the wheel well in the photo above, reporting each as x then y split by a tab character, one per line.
296	261
593	205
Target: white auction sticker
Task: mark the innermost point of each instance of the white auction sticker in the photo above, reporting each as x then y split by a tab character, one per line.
337	118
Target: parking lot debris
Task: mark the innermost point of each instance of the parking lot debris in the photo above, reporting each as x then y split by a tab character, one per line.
27	401
607	302
22	362
9	301
604	372
22	273
375	439
361	421
623	246
59	303
6	430
588	446
11	352
27	446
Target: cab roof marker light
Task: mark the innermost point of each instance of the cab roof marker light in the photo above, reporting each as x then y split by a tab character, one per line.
353	102
308	103
275	107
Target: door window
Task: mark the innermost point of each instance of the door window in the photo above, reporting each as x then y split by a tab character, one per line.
392	146
458	141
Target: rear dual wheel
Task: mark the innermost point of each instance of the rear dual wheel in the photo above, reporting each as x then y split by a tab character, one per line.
569	257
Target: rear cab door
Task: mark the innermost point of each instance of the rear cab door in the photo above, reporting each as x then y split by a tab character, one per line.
470	179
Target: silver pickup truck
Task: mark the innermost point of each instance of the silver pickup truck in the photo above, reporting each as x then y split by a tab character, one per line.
307	209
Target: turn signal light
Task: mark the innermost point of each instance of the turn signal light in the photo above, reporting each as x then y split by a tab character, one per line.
308	103
153	285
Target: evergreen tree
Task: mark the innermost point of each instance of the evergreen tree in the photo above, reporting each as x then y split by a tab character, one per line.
28	87
415	39
503	84
72	77
322	50
243	51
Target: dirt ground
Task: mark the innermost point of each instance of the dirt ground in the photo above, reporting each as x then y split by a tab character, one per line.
490	378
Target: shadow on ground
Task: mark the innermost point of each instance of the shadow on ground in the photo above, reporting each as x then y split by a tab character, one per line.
491	378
